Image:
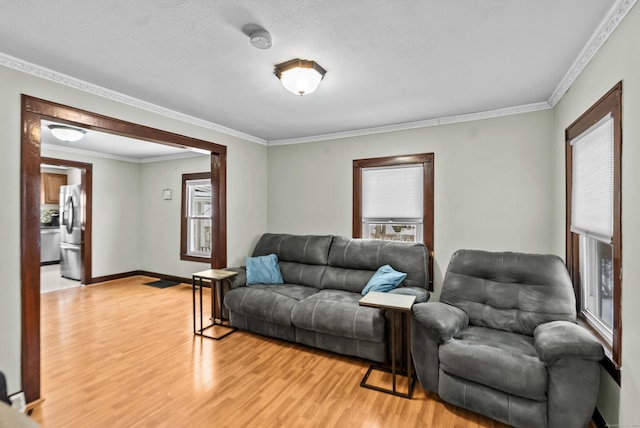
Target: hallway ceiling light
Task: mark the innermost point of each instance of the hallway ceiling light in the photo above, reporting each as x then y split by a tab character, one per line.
300	76
67	133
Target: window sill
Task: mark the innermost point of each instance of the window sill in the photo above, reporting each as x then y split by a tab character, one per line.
607	362
190	258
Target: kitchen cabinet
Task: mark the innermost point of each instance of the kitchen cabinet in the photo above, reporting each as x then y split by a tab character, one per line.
50	187
49	245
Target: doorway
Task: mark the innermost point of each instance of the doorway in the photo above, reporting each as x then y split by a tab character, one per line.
33	111
76	173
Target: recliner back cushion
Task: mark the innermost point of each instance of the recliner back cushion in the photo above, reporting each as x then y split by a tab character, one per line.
302	259
509	291
352	262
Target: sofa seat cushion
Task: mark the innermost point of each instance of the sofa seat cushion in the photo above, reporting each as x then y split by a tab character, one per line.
336	312
268	302
492	358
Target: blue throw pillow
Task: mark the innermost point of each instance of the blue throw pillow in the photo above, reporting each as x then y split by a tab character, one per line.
263	270
385	279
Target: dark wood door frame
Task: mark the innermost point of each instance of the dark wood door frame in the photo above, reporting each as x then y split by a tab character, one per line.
33	111
86	214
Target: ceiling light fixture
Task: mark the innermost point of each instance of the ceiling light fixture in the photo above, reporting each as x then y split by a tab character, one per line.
67	133
300	76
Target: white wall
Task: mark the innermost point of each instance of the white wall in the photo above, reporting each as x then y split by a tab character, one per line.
493	184
618	59
160	230
246	190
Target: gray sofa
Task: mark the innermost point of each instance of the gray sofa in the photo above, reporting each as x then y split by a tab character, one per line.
318	303
503	341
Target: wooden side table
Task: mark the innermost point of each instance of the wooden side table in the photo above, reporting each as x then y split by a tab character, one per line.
398	305
215	276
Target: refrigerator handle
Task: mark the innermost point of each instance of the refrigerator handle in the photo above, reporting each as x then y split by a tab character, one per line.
73	247
67	214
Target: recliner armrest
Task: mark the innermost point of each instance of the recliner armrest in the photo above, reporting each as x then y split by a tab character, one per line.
240	280
441	320
563	339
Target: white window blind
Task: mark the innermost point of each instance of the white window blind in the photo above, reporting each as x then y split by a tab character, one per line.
393	192
592	181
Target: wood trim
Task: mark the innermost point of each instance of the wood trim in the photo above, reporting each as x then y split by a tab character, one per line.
89	120
611	102
33	111
115	276
183	216
30	254
219	216
140	273
427	161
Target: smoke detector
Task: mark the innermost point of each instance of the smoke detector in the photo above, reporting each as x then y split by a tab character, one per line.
260	39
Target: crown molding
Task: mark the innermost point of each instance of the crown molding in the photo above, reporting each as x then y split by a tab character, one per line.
418	124
616	14
620	9
63	79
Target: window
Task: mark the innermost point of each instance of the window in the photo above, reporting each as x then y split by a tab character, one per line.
393	200
197	211
594	245
392	203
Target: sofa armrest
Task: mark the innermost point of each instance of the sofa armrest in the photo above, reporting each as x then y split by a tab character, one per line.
421	294
240	280
440	320
563	339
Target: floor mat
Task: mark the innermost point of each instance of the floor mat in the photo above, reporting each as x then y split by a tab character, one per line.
162	283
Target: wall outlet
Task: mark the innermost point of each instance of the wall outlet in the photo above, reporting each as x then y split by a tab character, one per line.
18	402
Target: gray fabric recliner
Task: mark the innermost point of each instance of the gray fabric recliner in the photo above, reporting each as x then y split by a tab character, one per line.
502	341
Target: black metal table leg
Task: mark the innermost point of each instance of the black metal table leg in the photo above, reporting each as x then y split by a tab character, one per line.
398	306
216	300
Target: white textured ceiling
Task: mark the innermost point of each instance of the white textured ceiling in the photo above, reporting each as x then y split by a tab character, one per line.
115	146
388	62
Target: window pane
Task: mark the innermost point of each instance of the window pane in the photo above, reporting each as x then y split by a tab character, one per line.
596	274
199	236
392	231
199	198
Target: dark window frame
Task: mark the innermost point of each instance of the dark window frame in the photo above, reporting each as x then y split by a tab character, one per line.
427	161
183	217
610	103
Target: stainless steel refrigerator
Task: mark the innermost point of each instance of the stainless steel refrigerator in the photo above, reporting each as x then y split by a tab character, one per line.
70	237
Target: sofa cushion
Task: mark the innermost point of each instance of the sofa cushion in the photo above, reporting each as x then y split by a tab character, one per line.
303	274
509	291
263	270
303	259
268	302
336	312
353	280
369	255
492	357
311	250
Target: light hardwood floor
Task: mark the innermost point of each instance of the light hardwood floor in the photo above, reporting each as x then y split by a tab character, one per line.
122	354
